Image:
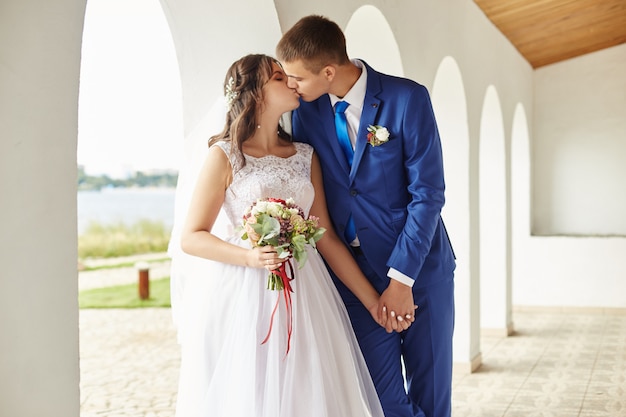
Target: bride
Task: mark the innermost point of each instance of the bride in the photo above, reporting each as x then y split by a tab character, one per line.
224	309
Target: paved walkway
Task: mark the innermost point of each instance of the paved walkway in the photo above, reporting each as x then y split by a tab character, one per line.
129	362
557	364
129	358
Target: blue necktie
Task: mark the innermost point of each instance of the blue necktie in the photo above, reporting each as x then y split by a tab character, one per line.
341	126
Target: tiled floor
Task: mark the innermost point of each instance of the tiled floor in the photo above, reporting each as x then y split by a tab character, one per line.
556	364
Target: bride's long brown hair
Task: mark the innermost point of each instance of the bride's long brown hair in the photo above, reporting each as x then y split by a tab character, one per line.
244	94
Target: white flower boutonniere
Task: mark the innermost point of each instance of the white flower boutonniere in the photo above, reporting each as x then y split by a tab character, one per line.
378	135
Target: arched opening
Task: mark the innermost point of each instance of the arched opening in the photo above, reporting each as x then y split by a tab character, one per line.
450	107
377	47
130	120
130	100
203	58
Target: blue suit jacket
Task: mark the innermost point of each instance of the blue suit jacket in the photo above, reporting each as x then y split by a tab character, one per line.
394	191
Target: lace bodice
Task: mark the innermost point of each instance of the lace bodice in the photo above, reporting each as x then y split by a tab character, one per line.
269	176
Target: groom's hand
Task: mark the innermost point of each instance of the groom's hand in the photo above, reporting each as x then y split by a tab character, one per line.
399	307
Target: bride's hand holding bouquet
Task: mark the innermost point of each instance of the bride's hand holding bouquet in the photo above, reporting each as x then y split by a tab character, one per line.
264	257
281	225
280	230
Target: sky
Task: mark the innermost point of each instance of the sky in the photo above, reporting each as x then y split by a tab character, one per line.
130	109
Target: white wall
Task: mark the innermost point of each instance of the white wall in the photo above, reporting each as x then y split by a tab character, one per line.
39	67
580	146
578	169
570	272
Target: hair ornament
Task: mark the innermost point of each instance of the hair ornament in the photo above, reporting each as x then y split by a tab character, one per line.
231	95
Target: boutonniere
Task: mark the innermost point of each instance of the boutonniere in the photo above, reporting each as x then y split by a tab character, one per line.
377	135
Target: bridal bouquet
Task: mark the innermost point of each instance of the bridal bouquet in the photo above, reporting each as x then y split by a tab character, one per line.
281	223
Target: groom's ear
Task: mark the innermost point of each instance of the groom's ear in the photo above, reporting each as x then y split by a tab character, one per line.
329	72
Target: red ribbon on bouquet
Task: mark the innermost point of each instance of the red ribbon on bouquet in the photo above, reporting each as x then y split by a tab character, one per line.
281	272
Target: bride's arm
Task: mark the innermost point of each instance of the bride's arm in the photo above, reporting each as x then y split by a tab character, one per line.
206	202
336	254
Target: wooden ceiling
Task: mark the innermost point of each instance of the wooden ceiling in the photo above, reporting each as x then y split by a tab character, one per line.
549	31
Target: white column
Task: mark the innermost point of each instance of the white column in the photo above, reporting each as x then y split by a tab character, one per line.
495	249
39	77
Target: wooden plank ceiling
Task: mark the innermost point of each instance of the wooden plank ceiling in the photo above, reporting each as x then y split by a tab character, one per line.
549	31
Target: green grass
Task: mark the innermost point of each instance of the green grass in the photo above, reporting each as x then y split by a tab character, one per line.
120	239
126	296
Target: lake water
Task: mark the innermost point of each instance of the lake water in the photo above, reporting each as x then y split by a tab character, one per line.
125	205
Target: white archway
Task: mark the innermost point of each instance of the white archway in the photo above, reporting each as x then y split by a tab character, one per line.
379	47
450	107
208	52
494	222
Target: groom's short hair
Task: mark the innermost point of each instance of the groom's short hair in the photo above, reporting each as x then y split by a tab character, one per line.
314	40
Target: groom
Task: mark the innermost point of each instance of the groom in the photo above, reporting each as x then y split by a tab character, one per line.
379	147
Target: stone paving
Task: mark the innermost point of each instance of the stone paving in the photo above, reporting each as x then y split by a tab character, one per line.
129	358
129	362
568	364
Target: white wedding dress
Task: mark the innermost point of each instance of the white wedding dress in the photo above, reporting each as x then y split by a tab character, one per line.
224	312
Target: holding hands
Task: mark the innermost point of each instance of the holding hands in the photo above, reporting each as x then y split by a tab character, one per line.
396	307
